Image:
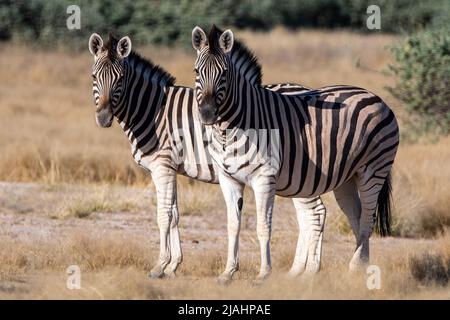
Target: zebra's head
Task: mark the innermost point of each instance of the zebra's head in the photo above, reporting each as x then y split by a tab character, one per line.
211	71
107	73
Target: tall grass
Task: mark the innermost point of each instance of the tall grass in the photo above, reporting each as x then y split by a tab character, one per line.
48	133
47	128
114	267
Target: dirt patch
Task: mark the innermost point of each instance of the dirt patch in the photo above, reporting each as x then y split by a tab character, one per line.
115	251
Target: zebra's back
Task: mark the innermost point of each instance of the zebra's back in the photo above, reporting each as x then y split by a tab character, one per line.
332	133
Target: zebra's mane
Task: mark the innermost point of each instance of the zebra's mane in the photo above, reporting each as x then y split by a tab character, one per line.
157	72
254	72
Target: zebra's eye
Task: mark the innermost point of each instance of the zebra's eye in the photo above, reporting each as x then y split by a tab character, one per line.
196	70
94	77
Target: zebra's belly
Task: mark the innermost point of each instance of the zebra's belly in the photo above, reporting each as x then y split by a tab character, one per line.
300	176
304	192
299	179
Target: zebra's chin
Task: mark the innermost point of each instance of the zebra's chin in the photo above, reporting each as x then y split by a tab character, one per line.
208	122
208	117
104	118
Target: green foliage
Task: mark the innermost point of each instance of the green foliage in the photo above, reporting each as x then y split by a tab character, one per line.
399	16
422	69
171	21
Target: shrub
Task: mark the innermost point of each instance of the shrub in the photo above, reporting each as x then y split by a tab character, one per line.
422	69
429	269
171	21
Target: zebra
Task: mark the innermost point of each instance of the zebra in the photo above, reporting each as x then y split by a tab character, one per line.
155	116
337	138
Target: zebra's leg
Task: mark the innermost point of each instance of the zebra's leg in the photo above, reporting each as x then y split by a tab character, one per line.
348	200
264	189
176	255
165	182
233	194
369	186
311	215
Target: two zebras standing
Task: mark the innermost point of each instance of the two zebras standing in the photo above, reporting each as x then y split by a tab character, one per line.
280	139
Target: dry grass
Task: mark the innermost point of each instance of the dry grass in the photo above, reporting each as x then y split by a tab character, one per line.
91	252
195	198
63	201
48	135
102	199
47	128
422	189
316	58
433	267
115	268
116	250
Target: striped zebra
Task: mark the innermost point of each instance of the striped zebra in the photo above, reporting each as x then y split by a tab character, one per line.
165	140
338	138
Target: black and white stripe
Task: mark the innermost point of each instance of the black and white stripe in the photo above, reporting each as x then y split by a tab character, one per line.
165	139
337	138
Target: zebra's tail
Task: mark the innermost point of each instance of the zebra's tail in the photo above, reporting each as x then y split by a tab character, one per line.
383	223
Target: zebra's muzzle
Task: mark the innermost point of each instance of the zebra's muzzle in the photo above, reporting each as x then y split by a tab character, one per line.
104	117
208	113
103	114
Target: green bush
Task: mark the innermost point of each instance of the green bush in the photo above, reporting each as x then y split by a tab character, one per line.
399	16
171	21
422	70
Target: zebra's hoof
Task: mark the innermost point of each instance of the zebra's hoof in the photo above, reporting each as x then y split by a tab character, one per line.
260	279
293	274
358	265
224	281
295	271
156	275
313	268
169	275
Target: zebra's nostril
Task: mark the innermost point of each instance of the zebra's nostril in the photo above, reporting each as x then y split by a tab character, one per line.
208	114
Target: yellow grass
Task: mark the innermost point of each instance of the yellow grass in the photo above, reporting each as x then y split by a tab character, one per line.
48	136
116	267
47	128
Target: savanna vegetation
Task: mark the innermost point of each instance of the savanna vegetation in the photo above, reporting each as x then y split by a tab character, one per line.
43	22
422	68
71	193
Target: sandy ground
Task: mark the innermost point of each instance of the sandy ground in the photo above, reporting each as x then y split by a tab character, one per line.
115	251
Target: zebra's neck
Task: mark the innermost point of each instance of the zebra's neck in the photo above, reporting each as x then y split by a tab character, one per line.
140	107
234	110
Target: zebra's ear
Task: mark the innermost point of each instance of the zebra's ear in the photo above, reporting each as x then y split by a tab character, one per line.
199	39
226	41
124	47
95	43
